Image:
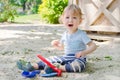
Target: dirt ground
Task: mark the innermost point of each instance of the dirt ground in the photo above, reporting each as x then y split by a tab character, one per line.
25	41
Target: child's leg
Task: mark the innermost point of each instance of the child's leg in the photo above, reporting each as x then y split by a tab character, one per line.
71	63
78	65
27	66
62	68
52	59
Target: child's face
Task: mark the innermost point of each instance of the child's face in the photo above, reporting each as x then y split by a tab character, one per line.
71	20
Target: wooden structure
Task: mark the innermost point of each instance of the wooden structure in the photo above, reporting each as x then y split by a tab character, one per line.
100	15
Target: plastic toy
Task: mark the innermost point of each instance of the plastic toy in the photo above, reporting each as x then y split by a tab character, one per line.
57	71
31	74
49	75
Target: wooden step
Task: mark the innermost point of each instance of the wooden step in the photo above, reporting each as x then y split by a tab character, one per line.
102	38
105	29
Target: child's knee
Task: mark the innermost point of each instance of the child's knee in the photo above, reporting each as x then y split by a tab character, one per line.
75	66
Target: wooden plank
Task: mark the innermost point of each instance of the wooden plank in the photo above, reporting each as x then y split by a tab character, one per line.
114	5
100	37
100	28
105	7
111	18
70	1
77	2
99	12
84	12
96	3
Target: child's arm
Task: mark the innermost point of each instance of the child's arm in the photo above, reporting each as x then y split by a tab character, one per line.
57	44
91	47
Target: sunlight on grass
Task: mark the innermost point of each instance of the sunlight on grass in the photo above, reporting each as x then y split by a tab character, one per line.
33	18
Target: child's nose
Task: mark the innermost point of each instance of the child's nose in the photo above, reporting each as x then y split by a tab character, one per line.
70	19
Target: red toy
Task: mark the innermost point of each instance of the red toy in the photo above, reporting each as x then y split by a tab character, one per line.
50	65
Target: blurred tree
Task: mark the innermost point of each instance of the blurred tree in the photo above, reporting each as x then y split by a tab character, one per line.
27	5
50	10
7	11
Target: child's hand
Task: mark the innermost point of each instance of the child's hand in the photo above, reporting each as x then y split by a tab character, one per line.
55	43
79	54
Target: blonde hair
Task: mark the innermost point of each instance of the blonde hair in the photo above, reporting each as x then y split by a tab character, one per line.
75	10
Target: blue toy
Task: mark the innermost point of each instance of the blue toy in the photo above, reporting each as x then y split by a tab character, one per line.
31	74
49	74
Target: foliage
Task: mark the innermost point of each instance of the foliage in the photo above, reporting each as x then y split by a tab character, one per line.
7	11
50	10
27	5
34	9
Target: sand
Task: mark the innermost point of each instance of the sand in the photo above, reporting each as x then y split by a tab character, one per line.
25	41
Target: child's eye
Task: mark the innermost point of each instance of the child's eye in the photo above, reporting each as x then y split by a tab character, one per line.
74	17
67	17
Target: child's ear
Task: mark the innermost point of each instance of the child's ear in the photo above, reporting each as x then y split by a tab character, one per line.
61	19
80	20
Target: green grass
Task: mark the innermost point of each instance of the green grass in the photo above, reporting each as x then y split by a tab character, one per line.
33	18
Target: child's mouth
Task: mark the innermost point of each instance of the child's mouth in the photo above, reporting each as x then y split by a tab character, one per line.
70	25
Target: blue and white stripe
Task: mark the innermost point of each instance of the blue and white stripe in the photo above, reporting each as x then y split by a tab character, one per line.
71	63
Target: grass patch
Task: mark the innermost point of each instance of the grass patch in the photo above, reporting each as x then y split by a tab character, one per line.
33	18
108	57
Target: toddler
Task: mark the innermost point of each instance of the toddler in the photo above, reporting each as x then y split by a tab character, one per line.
75	43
